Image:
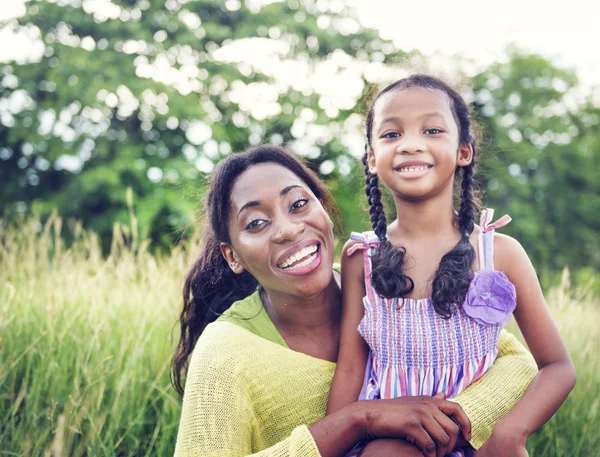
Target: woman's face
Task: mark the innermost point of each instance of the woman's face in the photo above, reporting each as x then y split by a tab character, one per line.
280	233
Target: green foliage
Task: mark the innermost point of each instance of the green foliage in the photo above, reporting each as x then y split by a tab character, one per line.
149	95
541	147
135	94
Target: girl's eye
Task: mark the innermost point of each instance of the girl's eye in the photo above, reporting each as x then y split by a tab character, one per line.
391	135
433	131
254	224
299	204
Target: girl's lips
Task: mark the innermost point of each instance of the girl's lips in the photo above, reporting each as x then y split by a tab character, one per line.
413	170
306	266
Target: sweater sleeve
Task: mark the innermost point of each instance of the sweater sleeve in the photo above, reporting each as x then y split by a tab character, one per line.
496	392
218	417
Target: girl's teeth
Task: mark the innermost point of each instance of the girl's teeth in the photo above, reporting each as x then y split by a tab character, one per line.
420	168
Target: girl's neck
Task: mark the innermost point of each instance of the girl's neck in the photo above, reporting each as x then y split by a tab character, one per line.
307	313
426	218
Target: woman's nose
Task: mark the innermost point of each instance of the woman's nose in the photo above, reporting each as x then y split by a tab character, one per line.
288	230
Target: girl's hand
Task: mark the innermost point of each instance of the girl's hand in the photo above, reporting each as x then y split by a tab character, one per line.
432	424
390	448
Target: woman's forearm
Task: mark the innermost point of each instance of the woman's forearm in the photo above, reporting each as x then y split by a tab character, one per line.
338	432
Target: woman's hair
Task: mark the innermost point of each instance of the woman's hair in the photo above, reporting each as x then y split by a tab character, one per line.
454	273
211	286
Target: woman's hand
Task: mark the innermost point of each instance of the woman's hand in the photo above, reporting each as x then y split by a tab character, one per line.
432	424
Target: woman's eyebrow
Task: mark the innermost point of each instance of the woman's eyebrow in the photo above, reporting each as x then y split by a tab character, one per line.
248	205
257	203
287	189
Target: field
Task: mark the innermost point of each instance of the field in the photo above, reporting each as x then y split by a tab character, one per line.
86	341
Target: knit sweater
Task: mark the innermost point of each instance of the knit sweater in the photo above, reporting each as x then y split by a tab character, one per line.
247	393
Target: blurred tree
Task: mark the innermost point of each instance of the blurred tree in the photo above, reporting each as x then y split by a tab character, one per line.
150	94
540	152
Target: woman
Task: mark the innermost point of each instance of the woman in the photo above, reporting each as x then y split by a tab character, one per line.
259	376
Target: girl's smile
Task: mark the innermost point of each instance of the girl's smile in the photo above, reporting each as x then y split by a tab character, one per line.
412	169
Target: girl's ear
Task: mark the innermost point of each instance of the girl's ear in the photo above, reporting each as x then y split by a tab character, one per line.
231	258
465	155
371	162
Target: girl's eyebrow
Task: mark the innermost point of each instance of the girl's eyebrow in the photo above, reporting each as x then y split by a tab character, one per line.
422	116
257	203
432	114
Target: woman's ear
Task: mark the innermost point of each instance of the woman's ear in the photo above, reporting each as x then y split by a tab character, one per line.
231	258
465	155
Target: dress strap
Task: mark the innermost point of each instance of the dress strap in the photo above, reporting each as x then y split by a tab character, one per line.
486	237
367	242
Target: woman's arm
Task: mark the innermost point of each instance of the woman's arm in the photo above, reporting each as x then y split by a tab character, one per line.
218	413
353	353
218	419
556	376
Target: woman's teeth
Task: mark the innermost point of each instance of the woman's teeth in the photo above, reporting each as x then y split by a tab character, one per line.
309	251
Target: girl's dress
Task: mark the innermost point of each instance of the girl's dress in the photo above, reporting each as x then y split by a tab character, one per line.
415	351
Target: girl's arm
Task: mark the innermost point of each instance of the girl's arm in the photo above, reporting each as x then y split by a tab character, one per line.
352	357
556	376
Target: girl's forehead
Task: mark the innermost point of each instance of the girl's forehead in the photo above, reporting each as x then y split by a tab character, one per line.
412	102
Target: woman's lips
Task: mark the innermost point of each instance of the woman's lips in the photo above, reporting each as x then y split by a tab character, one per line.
303	262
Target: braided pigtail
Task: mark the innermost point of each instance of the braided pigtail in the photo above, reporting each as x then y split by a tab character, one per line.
455	271
387	276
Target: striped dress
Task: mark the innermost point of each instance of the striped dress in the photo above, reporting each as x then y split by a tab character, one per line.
413	350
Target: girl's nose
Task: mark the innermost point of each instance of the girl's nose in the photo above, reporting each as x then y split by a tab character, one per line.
288	230
411	144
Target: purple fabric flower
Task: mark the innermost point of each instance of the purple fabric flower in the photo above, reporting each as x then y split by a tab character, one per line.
491	298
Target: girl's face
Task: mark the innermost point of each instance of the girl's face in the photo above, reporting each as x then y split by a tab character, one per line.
415	143
280	233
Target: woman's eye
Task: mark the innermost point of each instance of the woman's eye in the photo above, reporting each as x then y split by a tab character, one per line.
299	203
391	135
254	224
433	131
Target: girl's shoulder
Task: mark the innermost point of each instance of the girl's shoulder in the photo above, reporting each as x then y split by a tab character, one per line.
360	241
507	251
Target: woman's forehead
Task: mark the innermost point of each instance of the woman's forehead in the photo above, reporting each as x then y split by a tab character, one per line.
262	182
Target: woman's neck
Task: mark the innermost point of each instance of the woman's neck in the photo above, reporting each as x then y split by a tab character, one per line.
305	314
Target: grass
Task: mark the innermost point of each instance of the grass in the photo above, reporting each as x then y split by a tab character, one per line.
85	345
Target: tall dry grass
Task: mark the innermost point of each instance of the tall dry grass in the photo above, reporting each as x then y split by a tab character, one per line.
85	346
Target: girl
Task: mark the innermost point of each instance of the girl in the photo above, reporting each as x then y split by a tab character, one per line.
438	289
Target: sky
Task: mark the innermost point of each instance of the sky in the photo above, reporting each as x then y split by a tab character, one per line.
478	31
567	32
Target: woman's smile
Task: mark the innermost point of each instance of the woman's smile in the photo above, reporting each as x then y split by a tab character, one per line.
302	259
